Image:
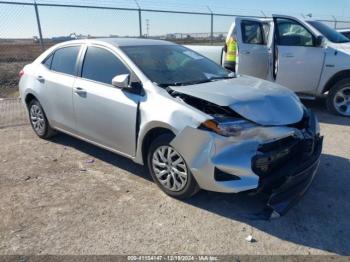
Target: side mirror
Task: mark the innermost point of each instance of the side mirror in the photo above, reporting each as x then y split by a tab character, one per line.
320	41
121	81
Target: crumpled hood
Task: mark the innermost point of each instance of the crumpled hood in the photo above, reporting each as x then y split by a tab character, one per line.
257	100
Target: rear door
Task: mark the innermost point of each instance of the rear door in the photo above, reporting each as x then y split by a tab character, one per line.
105	114
252	40
61	69
298	62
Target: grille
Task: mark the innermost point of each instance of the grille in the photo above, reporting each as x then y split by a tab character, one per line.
273	155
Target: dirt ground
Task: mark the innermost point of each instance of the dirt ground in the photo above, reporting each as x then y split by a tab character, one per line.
65	196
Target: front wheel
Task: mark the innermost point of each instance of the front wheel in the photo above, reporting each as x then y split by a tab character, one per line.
169	169
338	100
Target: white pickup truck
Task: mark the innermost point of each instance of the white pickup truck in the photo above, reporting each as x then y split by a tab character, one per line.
306	56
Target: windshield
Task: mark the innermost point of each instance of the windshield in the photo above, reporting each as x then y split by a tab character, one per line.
168	65
331	34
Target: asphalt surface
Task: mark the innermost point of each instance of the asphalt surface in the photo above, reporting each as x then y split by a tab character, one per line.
65	196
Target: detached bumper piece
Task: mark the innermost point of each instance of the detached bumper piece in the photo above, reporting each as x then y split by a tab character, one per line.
286	172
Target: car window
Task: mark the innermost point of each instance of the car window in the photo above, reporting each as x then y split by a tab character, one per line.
174	64
47	61
328	32
291	33
101	65
64	60
266	30
252	33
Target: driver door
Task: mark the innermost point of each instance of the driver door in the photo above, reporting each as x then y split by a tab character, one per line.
105	114
298	62
252	40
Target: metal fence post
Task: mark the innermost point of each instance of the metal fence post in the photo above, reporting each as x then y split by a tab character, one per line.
335	22
211	26
212	29
39	26
140	22
140	17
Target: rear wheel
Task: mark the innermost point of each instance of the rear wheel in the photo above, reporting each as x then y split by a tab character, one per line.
39	121
338	100
169	169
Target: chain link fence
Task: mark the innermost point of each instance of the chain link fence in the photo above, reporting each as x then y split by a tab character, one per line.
12	113
28	28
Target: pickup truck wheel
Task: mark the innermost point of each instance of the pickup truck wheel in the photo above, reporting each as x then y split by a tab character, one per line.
38	120
169	169
338	100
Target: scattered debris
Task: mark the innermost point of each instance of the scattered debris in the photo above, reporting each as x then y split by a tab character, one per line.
27	178
4	160
81	167
54	160
250	239
89	161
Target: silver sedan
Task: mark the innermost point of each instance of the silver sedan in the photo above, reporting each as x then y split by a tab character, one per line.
193	123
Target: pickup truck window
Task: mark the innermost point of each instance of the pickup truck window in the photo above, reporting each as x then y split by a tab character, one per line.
291	33
252	32
169	65
331	34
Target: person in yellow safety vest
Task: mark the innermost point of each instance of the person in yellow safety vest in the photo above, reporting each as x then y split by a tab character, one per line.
231	54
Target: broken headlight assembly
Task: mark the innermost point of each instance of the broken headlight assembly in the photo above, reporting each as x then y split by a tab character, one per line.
227	126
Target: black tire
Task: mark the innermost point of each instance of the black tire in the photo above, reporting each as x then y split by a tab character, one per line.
191	186
332	94
46	131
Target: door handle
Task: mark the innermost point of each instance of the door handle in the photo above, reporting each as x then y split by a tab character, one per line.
288	55
80	91
41	79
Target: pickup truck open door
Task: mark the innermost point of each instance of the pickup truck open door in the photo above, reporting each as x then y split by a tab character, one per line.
253	50
298	55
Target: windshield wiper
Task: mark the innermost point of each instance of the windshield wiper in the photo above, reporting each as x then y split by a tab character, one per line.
194	82
223	77
169	84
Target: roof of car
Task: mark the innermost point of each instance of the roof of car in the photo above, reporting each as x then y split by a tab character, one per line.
124	41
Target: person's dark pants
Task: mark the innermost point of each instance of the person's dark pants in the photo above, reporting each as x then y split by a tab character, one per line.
230	66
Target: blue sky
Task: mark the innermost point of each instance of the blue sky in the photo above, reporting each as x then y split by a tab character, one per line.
19	21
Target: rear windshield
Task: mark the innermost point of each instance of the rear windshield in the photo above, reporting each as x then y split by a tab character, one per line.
328	32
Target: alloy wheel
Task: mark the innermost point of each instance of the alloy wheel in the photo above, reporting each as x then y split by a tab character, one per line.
341	101
37	119
169	168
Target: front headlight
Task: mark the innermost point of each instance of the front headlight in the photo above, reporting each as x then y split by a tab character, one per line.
228	127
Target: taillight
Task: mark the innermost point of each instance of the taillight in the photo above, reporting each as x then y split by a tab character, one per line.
21	73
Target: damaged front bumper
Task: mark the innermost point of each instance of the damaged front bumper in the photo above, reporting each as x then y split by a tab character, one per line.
278	160
289	182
